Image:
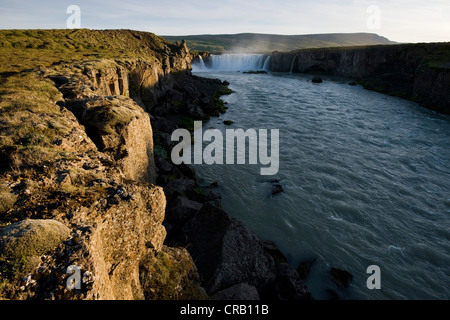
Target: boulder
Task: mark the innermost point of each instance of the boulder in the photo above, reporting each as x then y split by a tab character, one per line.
273	250
187	170
277	188
304	268
165	139
32	237
226	252
181	186
195	111
63	179
208	195
170	275
317	79
7	197
181	210
255	72
163	165
341	277
241	291
164	125
288	285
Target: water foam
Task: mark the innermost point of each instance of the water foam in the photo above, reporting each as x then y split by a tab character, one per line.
233	62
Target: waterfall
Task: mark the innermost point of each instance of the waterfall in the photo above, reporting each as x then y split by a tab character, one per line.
199	65
233	62
292	64
267	64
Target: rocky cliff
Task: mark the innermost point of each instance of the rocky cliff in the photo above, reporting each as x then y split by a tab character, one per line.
78	152
91	205
419	72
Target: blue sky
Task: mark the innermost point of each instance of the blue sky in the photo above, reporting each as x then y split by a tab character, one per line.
400	20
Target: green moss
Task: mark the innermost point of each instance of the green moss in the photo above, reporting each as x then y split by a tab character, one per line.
186	123
169	275
200	191
31	237
24	49
158	277
160	152
12	271
21	245
27	109
109	116
225	91
7	198
218	106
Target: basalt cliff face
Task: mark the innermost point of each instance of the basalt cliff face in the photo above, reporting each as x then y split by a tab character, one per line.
91	205
419	72
86	162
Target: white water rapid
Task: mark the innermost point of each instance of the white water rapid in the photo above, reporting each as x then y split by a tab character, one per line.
233	62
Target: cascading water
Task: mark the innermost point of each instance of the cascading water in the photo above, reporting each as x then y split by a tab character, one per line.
200	65
266	65
236	62
293	64
233	62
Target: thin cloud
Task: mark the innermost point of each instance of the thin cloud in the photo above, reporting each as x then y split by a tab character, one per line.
401	20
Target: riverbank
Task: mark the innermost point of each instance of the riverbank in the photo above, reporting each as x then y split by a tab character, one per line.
417	72
92	206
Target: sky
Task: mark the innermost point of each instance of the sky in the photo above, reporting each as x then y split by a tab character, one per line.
398	20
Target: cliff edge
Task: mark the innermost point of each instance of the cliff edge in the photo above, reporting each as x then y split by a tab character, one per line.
91	205
77	156
418	72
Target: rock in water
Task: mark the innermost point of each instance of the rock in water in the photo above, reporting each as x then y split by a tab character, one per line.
276	253
289	286
341	277
277	188
317	79
255	72
304	268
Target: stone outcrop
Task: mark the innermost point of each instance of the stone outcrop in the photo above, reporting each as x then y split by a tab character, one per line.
241	291
289	285
418	72
226	252
88	186
32	237
96	185
109	242
99	97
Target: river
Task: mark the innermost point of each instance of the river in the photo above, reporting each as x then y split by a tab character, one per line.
366	181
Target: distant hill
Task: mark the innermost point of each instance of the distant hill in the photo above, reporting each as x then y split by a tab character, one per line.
262	43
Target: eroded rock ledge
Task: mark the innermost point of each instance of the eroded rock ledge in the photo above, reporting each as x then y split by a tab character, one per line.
418	72
89	153
98	180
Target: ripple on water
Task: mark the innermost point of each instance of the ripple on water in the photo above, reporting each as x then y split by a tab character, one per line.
366	179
